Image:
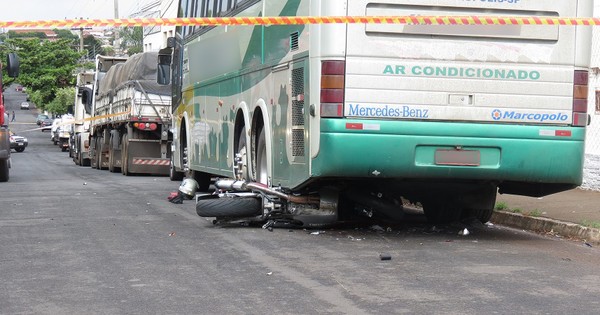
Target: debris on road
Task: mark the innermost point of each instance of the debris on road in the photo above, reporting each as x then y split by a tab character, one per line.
176	197
385	256
464	232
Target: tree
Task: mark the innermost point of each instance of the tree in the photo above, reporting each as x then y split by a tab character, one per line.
132	39
65	34
32	34
46	67
65	97
93	46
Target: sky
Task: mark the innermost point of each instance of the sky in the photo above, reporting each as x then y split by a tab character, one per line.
19	10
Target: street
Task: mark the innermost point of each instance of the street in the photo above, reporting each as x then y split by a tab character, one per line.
75	240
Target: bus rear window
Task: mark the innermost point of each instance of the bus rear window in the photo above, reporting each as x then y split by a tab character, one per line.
512	32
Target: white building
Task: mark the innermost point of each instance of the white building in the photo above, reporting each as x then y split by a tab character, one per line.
155	37
591	176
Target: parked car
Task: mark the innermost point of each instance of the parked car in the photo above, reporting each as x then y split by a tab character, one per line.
40	118
46	124
24	105
18	143
19	88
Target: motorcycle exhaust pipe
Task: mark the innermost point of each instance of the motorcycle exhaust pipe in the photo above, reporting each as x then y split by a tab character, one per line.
239	185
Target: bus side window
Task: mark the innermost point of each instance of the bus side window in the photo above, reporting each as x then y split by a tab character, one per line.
225	7
185	12
208	8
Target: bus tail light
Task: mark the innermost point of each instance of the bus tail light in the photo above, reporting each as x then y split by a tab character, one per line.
580	95
332	88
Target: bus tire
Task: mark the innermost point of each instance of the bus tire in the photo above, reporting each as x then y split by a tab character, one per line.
261	159
442	211
242	150
229	207
174	174
483	215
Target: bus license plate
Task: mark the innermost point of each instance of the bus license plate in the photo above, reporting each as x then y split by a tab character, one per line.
457	157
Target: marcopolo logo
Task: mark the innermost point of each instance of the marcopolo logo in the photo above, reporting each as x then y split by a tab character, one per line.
497	114
536	117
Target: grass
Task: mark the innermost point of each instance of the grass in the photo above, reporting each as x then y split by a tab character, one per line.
501	206
591	224
515	210
535	213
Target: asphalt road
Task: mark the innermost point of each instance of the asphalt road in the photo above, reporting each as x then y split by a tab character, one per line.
74	240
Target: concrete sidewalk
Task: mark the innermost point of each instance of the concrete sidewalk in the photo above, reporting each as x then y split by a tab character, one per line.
571	214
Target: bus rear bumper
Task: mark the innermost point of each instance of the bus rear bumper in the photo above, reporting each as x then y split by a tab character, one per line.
515	154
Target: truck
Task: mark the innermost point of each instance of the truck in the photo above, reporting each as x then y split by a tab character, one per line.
79	147
318	122
131	117
12	67
63	132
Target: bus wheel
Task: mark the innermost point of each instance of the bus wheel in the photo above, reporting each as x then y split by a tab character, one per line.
483	215
482	203
442	211
229	207
174	174
241	167
261	159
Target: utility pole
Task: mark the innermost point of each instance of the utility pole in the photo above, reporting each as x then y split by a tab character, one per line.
81	38
116	42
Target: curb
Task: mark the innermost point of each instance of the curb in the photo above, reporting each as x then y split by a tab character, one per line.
545	225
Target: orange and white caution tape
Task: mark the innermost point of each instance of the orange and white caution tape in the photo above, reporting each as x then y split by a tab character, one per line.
298	20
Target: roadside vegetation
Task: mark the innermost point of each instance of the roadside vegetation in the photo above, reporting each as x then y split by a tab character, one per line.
48	67
591	224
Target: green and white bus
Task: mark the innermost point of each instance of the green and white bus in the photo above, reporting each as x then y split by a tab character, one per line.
310	122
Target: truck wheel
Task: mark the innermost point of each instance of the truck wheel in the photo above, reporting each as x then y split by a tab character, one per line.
92	155
111	157
97	156
229	207
4	170
125	156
